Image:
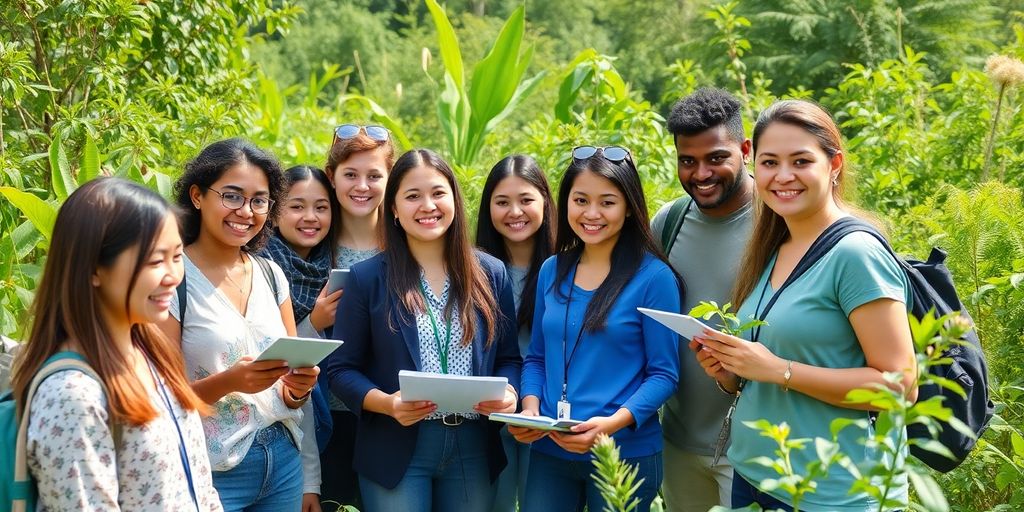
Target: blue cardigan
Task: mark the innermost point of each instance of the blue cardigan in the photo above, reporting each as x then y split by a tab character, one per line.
632	363
380	339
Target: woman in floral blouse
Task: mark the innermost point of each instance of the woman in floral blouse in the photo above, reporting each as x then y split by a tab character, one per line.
133	439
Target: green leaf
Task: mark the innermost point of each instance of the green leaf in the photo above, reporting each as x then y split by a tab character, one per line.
25	238
928	492
90	161
41	214
1018	443
60	172
451	55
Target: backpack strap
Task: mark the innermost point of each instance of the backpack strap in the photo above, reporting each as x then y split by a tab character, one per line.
268	272
676	215
182	291
58	362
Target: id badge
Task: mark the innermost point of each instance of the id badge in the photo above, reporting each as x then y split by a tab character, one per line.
564	410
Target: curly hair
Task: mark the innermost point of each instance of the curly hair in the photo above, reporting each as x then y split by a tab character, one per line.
706	108
209	166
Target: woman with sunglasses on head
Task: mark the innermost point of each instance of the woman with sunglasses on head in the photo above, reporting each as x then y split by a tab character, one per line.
515	225
431	303
303	246
593	356
235	305
840	325
123	430
358	164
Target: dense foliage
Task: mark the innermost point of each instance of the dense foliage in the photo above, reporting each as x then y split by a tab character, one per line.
937	145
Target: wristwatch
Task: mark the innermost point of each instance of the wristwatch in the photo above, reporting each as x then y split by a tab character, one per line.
788	374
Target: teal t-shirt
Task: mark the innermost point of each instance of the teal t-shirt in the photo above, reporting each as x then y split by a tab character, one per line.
810	324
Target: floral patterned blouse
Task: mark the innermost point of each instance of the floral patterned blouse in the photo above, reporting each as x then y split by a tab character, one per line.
72	458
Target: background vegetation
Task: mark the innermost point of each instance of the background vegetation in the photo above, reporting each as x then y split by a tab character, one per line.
121	87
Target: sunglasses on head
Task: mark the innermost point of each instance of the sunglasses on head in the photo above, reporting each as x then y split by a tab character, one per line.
614	154
348	131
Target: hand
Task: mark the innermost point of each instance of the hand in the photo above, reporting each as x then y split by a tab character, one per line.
324	308
310	502
250	376
584	435
506	404
299	381
528	435
746	359
712	367
408	413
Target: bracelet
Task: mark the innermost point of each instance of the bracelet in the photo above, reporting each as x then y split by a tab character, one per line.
723	390
294	398
787	375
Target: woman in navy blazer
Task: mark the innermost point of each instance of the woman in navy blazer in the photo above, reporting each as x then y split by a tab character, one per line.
428	302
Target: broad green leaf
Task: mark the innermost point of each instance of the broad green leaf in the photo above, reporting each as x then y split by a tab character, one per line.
496	76
928	492
25	238
41	214
60	172
90	161
1018	444
451	55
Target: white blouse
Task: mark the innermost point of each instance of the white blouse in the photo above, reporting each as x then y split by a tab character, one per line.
72	458
214	336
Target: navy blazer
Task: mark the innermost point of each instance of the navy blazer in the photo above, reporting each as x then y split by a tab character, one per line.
380	339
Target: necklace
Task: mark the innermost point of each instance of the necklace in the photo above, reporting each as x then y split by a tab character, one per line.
245	278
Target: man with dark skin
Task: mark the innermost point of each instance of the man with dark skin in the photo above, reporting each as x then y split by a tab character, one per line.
711	151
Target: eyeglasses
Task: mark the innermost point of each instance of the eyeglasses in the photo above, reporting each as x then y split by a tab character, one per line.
614	154
235	201
348	131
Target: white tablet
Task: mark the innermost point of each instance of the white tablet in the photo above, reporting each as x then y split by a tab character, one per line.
685	325
451	393
299	352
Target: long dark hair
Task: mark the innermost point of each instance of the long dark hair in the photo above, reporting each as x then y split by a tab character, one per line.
635	239
488	238
469	288
97	223
209	166
301	173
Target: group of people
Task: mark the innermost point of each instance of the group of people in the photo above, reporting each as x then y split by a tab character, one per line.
170	304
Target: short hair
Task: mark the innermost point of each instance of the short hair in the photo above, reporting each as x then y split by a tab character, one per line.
706	108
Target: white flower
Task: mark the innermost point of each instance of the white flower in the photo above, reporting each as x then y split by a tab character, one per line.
1004	70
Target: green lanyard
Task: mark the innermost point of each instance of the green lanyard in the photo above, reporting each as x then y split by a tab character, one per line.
442	351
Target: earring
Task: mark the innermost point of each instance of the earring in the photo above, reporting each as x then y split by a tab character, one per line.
835	181
397	225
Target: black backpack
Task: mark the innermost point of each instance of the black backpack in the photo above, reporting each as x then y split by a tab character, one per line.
268	274
932	287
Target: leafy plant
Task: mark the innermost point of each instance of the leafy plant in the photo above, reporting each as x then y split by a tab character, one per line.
729	323
615	478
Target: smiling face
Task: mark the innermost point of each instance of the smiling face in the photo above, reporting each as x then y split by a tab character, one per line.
793	173
232	227
597	209
359	182
710	166
517	209
306	217
158	276
424	205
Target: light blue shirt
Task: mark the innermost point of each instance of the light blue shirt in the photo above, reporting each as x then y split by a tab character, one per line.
810	324
632	363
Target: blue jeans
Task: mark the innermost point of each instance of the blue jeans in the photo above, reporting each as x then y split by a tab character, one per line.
448	471
269	477
745	494
512	480
561	485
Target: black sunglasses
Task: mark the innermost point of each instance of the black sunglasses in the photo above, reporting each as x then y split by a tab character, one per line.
613	154
375	132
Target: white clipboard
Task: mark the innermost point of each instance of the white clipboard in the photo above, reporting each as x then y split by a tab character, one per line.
451	393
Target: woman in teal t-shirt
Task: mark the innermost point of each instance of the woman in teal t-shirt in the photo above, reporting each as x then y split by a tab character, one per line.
837	328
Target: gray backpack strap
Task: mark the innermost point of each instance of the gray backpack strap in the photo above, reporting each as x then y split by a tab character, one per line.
676	215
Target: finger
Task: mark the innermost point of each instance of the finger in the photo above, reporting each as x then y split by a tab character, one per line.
694	345
307	370
336	296
323	292
272	364
583	427
414	406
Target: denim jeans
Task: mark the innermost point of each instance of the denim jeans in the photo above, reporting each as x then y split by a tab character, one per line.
448	471
561	485
744	494
269	477
512	481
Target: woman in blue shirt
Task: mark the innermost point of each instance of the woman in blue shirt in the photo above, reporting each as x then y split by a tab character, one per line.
593	356
840	326
430	303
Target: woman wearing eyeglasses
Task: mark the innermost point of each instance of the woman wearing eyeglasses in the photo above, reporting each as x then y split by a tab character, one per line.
235	305
358	164
593	356
431	303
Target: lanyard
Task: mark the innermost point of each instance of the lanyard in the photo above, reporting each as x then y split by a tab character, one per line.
442	351
565	335
181	439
